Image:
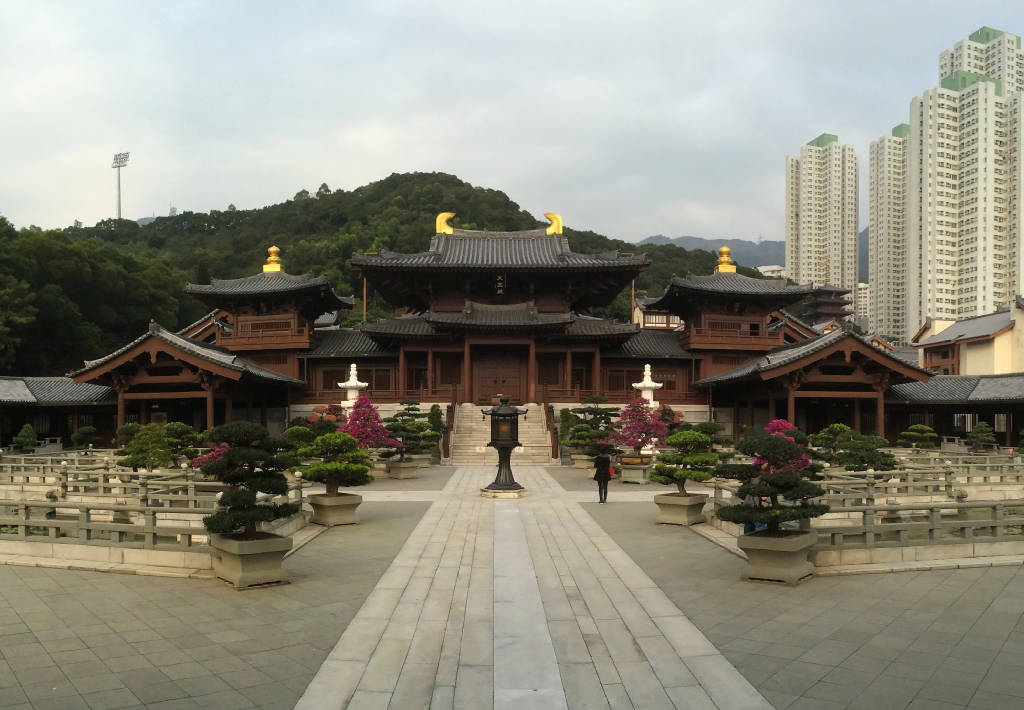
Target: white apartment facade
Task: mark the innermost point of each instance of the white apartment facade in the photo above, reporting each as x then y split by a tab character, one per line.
861	305
886	309
821	214
962	233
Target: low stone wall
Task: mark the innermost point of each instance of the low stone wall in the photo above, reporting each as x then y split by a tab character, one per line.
917	553
70	550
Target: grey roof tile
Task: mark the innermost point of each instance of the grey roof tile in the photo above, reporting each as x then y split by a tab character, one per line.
653	344
968	328
345	342
734	283
268	283
13	390
940	388
485	315
528	249
64	390
194	347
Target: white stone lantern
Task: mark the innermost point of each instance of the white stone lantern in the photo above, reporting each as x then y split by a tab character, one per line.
353	386
648	387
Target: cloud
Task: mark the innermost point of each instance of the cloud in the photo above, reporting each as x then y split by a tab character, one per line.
629	119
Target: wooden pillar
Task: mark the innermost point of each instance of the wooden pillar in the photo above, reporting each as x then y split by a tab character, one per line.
596	383
120	408
143	412
791	405
568	369
430	371
1009	429
531	372
467	389
401	371
856	414
880	412
209	409
74	422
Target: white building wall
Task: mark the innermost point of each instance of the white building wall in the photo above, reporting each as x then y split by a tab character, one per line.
886	236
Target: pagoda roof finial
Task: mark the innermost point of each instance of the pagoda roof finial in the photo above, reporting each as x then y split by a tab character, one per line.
441	225
556	222
725	262
273	261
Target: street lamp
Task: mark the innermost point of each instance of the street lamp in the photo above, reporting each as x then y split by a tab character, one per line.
120	160
504	438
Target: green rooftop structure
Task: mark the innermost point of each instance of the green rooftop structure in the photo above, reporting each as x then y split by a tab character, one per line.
901	131
823	140
960	80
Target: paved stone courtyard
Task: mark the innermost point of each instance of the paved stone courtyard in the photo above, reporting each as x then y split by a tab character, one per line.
441	599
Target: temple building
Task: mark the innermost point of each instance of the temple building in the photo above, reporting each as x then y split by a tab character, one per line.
482	313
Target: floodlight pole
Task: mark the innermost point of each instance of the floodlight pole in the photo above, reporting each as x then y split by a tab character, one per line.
120	160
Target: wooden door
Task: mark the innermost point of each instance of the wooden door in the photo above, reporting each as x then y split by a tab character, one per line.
497	373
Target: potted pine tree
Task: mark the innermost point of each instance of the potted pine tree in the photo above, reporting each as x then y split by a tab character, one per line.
637	428
981	438
243	457
409	427
343	464
777	487
918	436
691	460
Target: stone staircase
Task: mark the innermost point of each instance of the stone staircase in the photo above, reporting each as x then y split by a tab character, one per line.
473	431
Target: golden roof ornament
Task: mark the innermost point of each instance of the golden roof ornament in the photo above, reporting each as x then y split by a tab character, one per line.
725	263
273	261
556	222
441	225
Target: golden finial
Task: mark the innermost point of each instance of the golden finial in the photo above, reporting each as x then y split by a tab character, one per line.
556	222
725	265
273	260
441	226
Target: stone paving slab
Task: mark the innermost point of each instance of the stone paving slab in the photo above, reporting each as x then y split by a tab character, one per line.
83	639
951	638
539	607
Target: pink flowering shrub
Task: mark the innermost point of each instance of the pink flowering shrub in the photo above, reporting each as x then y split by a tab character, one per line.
637	427
365	426
214	454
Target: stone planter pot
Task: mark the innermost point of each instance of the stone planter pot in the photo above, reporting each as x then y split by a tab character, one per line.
680	508
778	558
335	510
247	563
582	461
631	474
404	469
635	459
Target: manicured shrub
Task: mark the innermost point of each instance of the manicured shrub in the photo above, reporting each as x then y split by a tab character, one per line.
344	463
692	460
918	436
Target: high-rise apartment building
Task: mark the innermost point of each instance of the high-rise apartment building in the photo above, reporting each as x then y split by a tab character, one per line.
963	184
887	305
861	302
821	214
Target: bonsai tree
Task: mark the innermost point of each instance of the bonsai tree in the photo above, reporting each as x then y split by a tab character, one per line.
183	441
860	452
692	460
84	436
918	436
26	438
637	427
829	437
436	419
410	429
344	463
149	449
365	426
245	462
777	485
981	437
589	426
125	433
298	436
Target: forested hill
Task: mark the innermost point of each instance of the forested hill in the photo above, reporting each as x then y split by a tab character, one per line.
67	295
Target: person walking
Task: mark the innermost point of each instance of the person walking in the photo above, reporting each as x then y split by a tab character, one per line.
602	474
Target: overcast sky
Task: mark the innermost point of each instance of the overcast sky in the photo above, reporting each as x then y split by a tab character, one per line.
629	118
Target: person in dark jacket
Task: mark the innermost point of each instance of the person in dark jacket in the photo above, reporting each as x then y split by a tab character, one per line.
602	474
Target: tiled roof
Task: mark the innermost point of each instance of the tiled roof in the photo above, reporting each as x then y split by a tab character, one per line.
969	328
652	344
963	389
733	283
326	319
43	391
64	390
906	353
345	342
588	326
408	326
787	354
208	318
193	347
268	283
13	390
484	315
529	249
